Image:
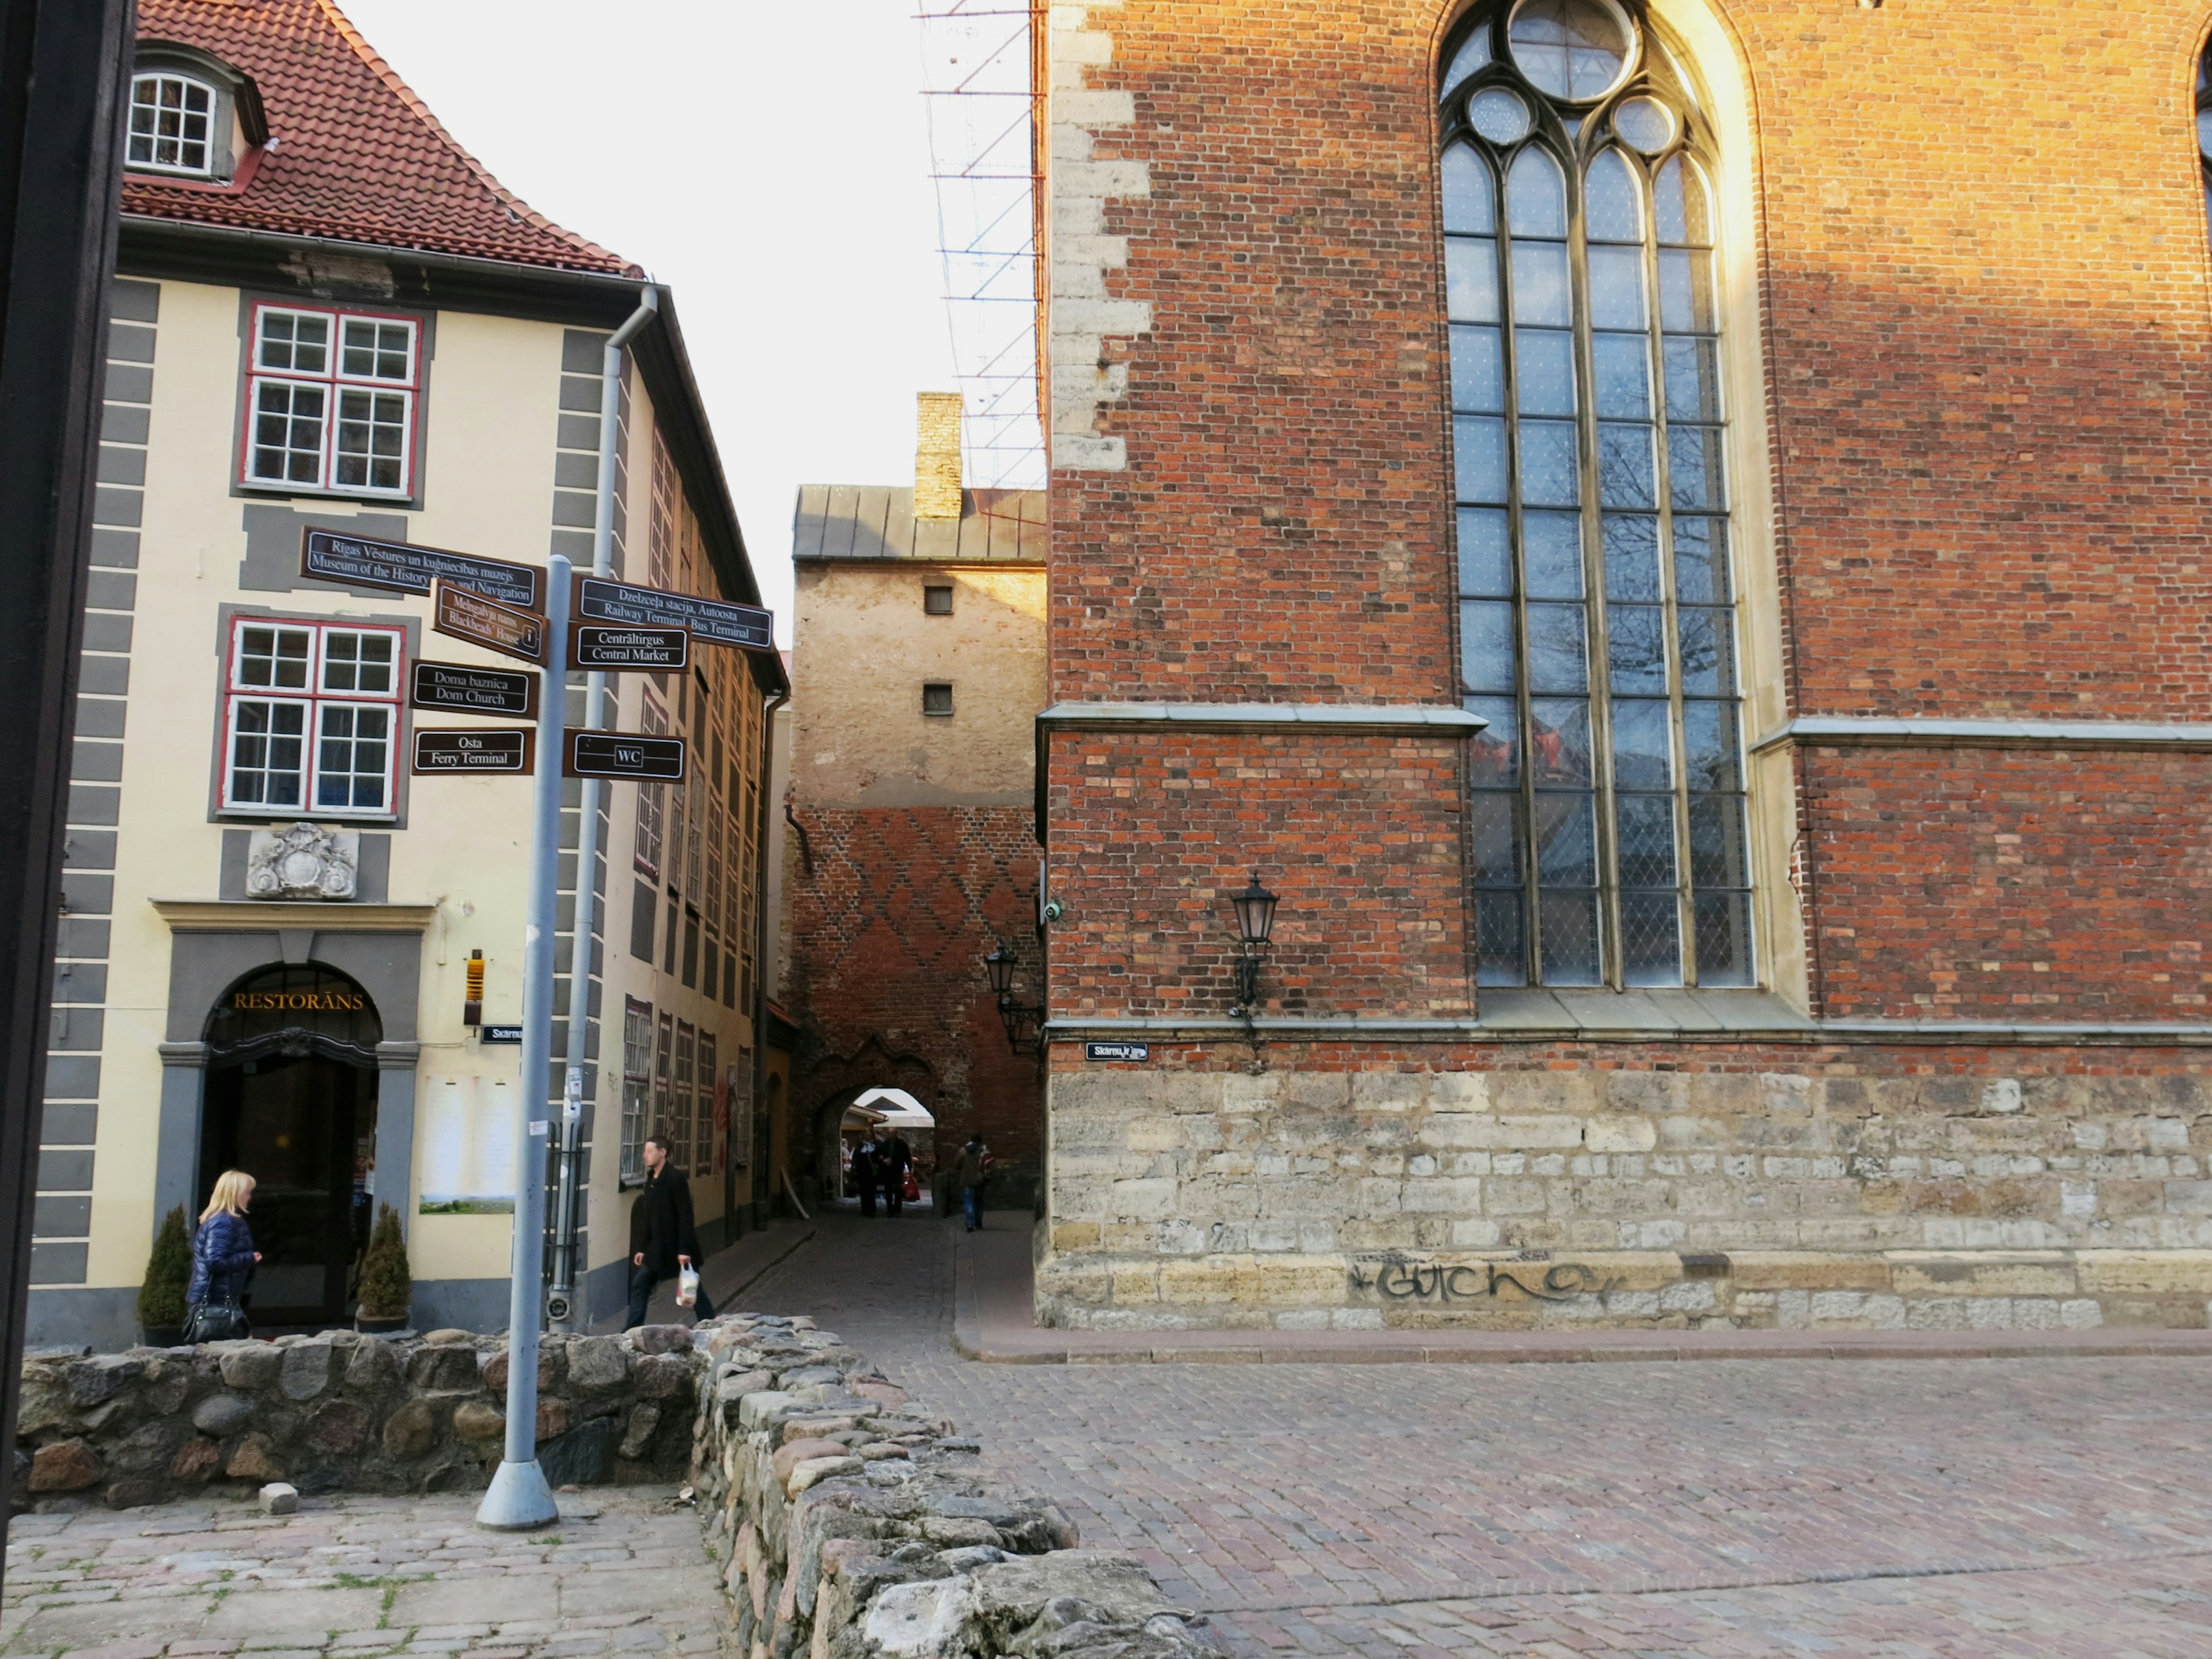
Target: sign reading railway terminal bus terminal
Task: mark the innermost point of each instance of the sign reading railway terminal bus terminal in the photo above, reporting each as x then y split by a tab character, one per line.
333	556
623	755
596	644
715	621
513	752
455	687
462	615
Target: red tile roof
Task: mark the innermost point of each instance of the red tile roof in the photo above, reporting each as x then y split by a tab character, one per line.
356	156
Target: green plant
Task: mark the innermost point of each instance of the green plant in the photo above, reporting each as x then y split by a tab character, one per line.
387	1286
168	1275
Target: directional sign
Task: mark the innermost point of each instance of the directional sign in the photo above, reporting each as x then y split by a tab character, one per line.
405	568
599	600
622	755
455	687
471	749
465	616
596	644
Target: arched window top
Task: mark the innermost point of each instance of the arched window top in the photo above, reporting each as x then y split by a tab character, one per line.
2204	120
1607	815
173	129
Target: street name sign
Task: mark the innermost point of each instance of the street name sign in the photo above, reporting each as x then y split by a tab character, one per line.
1117	1051
462	615
623	755
455	688
499	1033
596	644
403	567
715	621
490	749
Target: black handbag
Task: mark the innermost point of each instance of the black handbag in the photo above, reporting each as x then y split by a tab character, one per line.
216	1321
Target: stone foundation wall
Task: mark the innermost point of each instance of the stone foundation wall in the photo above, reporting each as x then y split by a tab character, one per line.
343	1411
1542	1198
851	1522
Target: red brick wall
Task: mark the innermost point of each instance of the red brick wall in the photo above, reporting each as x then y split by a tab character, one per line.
1988	338
1357	836
889	928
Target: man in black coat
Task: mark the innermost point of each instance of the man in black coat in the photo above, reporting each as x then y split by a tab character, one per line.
663	1238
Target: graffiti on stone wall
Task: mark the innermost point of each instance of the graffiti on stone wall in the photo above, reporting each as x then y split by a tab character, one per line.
1399	1278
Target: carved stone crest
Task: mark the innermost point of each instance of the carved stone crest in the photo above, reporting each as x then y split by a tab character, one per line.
303	861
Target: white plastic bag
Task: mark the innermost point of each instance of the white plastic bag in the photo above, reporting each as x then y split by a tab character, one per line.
687	1288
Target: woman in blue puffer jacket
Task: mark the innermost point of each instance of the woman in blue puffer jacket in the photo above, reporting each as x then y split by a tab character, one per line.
222	1247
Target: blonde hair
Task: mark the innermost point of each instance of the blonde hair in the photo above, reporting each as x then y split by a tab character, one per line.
231	1189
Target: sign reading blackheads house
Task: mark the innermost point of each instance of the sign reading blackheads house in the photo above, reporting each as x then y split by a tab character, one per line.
460	614
402	568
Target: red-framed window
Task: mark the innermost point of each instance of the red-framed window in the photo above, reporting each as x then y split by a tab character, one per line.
329	401
311	717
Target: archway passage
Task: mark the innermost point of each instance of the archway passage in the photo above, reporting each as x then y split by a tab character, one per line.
291	1099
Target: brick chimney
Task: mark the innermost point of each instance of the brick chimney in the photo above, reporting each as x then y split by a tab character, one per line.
937	456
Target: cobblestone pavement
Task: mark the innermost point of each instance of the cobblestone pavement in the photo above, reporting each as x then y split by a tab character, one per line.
622	1573
2050	1508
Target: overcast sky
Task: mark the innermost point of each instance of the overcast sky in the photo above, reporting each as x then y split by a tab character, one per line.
770	161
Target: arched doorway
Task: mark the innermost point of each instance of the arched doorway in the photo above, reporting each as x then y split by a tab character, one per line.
291	1099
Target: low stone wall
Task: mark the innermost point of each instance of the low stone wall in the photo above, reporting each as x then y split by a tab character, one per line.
852	1522
1561	1200
342	1411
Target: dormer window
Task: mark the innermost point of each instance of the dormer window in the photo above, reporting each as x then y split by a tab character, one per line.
173	124
193	118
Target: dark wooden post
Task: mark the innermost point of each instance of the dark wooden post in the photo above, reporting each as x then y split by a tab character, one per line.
64	74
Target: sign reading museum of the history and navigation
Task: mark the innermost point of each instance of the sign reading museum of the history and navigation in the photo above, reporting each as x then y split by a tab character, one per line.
511	752
455	687
595	645
402	568
462	615
623	755
715	621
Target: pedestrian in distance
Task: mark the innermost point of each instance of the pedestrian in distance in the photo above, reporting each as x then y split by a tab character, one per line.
663	1240
864	1175
223	1259
971	1169
893	1159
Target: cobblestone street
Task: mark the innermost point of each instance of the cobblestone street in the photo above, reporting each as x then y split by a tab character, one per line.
622	1572
1960	1507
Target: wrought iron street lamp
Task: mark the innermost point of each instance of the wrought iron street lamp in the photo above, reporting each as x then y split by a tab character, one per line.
1024	1021
1256	920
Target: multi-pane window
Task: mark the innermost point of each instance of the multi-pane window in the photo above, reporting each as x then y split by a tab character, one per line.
172	125
651	803
311	718
664	1058
2204	122
682	1109
710	1096
331	401
637	1085
1597	612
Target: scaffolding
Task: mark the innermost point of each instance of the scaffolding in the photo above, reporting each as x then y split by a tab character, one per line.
981	91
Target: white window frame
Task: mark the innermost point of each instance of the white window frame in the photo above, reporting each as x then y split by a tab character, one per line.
647	850
315	699
683	1110
637	1087
709	1086
206	140
393	401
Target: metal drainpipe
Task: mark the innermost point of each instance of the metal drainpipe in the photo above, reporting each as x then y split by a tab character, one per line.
563	1310
763	1193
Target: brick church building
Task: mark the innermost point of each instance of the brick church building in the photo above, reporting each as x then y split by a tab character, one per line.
1673	537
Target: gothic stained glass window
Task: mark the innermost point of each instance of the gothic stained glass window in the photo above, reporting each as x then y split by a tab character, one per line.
1597	604
2204	122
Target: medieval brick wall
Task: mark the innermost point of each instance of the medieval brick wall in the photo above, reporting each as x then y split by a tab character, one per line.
892	911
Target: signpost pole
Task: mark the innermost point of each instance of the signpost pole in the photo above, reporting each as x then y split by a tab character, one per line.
518	1498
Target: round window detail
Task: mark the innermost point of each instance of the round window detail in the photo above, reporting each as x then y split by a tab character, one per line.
1577	50
1646	124
1498	115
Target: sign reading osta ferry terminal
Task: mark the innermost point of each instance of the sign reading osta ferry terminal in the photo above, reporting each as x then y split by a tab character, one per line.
402	567
511	752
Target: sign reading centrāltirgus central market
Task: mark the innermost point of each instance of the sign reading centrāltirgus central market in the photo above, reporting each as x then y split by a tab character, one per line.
402	568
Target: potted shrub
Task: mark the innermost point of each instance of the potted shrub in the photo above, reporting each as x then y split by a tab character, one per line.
168	1276
386	1285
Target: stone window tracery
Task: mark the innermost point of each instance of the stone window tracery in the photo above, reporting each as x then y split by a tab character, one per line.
1598	623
